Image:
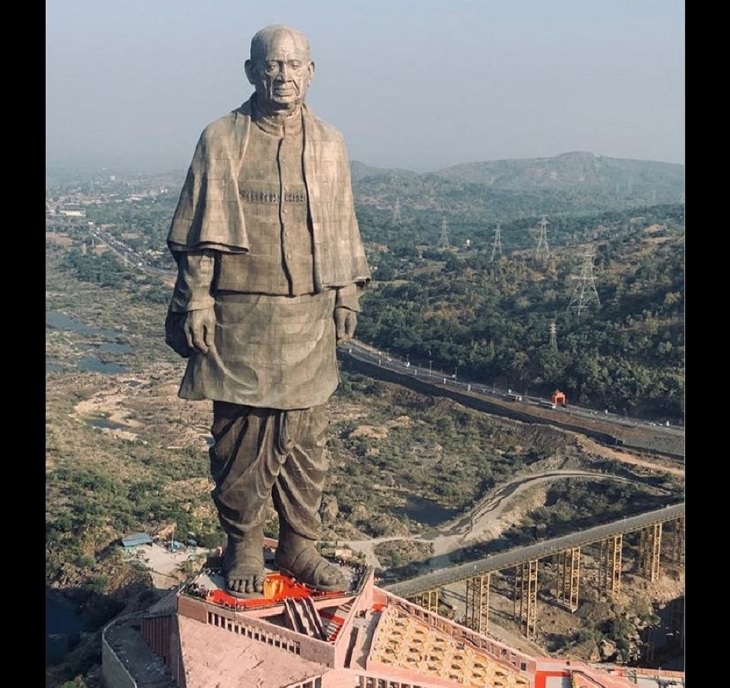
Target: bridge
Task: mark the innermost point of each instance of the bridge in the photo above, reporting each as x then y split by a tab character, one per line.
425	589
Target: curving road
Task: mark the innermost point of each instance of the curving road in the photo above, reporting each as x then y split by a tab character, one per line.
484	522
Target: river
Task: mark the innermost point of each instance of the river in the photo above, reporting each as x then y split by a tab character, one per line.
110	344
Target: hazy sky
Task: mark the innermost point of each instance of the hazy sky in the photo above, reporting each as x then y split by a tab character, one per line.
417	84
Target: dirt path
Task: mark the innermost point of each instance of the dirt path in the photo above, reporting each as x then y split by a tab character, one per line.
589	445
494	514
167	568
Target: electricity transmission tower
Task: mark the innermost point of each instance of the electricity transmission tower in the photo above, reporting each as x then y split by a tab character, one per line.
497	245
585	293
542	251
553	337
396	212
444	238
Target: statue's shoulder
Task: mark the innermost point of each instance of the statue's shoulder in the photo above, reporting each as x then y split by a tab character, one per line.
231	124
324	130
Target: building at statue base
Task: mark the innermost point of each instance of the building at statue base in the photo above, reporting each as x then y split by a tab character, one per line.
292	637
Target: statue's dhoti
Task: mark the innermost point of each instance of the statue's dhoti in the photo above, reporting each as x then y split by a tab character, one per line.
260	452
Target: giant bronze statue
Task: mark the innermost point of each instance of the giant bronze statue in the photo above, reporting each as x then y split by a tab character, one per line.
270	268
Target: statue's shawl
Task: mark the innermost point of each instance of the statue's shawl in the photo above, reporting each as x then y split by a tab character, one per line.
209	213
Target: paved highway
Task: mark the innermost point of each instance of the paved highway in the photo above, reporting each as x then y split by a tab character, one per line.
130	257
428	375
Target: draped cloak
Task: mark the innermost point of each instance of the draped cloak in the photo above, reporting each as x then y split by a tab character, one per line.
209	213
270	351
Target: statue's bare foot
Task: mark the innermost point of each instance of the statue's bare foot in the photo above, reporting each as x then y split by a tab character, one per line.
303	562
243	567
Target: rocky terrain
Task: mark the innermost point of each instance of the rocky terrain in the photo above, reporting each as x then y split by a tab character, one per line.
142	410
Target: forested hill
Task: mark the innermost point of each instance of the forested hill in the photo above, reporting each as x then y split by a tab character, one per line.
572	170
574	282
475	265
504	190
595	306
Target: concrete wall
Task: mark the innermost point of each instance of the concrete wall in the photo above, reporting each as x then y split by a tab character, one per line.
113	672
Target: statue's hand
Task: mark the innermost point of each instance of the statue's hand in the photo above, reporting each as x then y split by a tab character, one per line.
200	329
345	324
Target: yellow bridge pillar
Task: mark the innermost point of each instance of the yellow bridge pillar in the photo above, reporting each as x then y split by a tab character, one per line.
678	544
526	580
429	599
610	564
650	549
569	578
477	603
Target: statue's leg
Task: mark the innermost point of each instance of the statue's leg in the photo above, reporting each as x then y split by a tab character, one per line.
297	495
244	465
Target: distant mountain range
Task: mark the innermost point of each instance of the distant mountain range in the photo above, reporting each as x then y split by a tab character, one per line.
571	181
503	190
569	170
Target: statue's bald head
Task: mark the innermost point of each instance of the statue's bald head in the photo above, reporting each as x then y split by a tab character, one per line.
280	68
264	38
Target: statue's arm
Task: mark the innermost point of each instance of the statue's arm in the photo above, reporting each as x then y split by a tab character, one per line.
194	283
192	311
347	306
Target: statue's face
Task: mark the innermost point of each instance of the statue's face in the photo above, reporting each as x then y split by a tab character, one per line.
282	74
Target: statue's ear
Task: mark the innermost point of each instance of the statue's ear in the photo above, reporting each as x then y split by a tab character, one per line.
248	68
